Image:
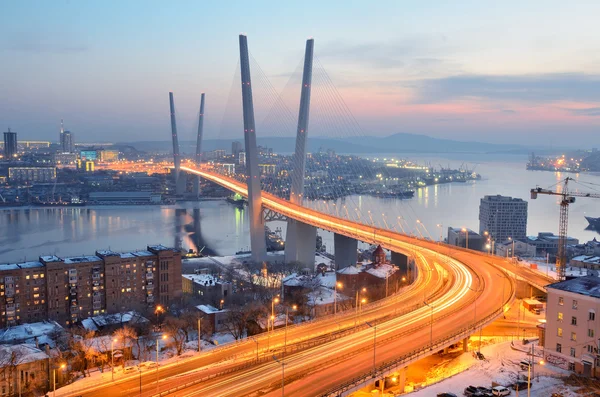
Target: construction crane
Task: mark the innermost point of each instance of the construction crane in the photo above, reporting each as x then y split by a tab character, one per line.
567	198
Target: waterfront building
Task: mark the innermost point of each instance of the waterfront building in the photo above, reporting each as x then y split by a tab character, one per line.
66	142
547	243
503	217
125	198
458	236
68	290
10	144
65	159
31	174
108	155
572	325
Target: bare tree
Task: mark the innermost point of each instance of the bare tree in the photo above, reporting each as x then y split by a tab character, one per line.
126	336
173	327
235	322
81	344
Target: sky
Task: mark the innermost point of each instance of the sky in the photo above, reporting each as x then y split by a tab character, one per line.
500	72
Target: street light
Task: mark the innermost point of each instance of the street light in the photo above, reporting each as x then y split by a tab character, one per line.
62	366
530	370
255	341
374	326
441	231
159	309
157	340
282	375
337	285
273	302
431	327
112	358
464	229
294	307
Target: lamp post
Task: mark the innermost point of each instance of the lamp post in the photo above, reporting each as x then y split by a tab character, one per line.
464	229
531	371
287	309
475	316
358	304
112	358
441	231
159	309
337	285
62	366
503	285
199	334
374	326
431	327
282	375
273	302
255	341
158	340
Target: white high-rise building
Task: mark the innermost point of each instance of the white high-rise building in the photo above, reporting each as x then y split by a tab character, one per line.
503	217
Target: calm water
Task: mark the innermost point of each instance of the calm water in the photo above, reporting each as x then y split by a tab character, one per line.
222	228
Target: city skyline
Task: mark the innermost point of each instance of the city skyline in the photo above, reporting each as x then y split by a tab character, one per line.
465	72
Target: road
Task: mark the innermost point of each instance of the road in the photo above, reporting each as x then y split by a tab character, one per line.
461	286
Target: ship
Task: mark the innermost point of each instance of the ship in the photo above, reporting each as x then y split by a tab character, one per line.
594	222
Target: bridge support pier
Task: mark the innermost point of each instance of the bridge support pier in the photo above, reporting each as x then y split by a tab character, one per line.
300	243
180	183
196	187
402	378
346	251
466	344
401	261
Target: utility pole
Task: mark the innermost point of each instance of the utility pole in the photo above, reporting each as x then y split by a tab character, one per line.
199	334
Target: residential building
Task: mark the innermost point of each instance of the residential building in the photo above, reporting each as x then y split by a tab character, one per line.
23	371
572	333
10	144
586	262
32	174
67	290
215	317
458	236
242	159
67	142
503	217
22	293
205	285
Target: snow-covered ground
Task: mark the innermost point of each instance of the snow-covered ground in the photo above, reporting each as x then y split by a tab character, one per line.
501	366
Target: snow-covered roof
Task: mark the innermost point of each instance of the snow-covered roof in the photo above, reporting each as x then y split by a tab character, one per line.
50	258
588	285
96	322
382	271
82	259
587	259
9	266
142	253
23	353
203	279
30	265
349	270
208	309
159	247
23	332
327	280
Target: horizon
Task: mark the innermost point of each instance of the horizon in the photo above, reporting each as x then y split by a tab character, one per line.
464	72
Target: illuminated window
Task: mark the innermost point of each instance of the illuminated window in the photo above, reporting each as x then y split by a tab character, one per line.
27	277
573	336
560	316
559	331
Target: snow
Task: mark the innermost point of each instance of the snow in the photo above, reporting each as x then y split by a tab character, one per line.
501	366
143	253
208	309
96	322
158	247
324	296
328	280
349	270
9	266
383	270
28	332
203	279
23	353
50	258
589	285
30	265
82	259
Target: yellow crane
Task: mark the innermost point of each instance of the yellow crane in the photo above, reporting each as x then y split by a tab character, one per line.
567	198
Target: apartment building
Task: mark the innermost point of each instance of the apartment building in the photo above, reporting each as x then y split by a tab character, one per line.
503	217
68	290
22	293
572	335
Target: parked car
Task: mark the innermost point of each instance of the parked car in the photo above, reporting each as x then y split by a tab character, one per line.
500	391
520	385
470	390
129	370
447	394
149	364
524	365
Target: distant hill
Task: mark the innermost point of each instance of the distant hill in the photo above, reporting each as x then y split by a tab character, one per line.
397	143
592	162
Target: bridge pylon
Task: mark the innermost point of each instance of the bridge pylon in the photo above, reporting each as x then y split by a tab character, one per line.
196	189
179	177
257	227
301	239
